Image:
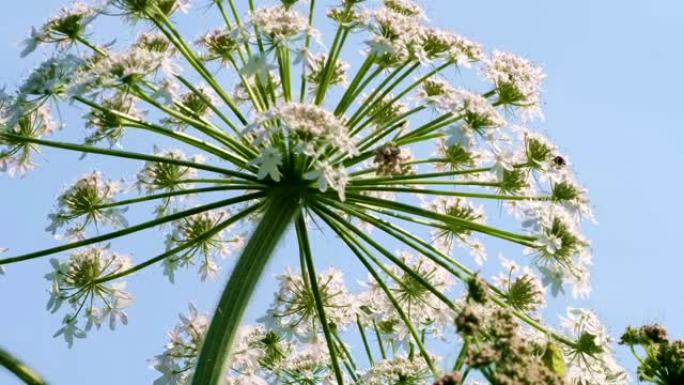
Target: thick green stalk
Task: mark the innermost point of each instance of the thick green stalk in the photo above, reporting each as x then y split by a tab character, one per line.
19	369
280	210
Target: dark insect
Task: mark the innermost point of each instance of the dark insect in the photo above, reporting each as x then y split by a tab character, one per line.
559	161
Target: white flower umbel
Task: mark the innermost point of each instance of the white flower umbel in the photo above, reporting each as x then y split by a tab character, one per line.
591	361
294	308
280	129
84	283
88	202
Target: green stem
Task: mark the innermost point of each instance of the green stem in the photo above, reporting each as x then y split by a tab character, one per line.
403	93
178	41
438	257
365	341
346	100
449	193
370	101
307	45
353	246
91	46
283	55
127	154
133	229
458	365
524	240
179	136
19	369
208	101
175	193
380	98
303	239
340	37
362	183
218	343
378	337
206	235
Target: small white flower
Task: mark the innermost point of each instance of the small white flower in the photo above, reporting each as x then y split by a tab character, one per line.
269	162
70	330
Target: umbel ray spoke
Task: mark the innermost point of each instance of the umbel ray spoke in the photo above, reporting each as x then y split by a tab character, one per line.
187	245
303	240
126	154
133	229
429	251
348	240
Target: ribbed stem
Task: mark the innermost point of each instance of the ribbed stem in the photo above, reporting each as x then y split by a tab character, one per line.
280	210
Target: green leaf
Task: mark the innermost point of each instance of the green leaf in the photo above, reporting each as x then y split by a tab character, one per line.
553	359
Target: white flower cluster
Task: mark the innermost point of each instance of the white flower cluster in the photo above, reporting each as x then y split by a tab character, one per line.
280	24
63	29
200	233
399	34
309	130
159	176
82	283
424	309
399	370
19	118
87	202
521	286
591	362
518	82
462	209
293	311
179	358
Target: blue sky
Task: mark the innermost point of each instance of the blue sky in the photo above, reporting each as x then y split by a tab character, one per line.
612	101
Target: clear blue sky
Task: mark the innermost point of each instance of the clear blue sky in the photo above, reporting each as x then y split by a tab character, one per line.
613	102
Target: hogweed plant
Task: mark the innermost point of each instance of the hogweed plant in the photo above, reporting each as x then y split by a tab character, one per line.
288	133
